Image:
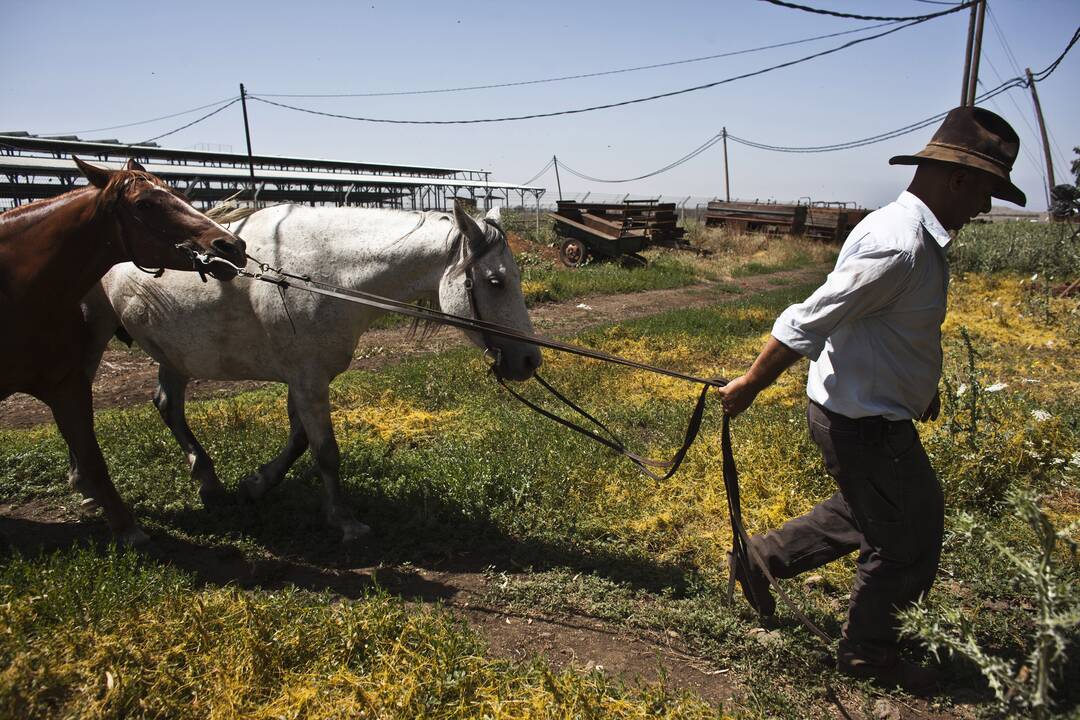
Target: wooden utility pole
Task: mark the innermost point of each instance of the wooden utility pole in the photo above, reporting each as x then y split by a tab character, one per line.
967	55
727	186
972	54
247	134
1042	129
976	54
558	183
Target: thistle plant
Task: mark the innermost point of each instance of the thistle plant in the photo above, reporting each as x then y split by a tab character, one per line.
1023	686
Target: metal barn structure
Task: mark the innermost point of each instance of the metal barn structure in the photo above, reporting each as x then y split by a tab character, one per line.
33	167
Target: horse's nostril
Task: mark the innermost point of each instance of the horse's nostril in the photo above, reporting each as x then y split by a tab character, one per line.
228	247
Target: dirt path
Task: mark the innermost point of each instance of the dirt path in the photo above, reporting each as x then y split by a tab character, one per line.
129	378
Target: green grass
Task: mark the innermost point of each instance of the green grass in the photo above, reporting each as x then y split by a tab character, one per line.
442	464
543	282
793	262
142	640
1026	247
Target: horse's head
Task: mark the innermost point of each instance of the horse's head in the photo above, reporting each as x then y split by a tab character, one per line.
160	228
485	283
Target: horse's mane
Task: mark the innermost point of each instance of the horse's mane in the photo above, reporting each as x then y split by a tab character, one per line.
492	231
106	197
427	329
119	181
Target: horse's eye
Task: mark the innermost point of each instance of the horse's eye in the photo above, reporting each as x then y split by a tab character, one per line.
143	204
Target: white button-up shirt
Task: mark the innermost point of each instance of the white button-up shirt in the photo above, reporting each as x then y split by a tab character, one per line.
873	330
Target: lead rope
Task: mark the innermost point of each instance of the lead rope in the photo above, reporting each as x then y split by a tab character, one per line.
745	554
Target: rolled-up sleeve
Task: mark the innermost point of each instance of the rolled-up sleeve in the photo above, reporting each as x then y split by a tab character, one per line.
862	283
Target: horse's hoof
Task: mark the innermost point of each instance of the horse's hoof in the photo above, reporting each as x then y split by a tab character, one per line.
88	505
354	531
251	488
133	537
214	496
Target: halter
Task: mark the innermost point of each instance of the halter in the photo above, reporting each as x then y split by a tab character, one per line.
198	260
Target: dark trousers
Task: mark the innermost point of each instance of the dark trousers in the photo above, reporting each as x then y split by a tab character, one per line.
889	507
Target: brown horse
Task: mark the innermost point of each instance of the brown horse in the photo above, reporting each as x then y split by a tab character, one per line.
51	253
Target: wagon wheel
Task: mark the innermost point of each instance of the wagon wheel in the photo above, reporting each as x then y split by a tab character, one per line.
633	260
573	252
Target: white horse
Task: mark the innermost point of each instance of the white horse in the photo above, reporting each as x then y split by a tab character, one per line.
303	339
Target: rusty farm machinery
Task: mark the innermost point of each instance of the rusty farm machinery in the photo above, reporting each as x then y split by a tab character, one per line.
614	230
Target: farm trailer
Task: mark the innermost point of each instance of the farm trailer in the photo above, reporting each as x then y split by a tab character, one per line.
613	230
823	221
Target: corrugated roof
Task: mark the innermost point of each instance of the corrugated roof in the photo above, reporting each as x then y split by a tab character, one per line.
56	166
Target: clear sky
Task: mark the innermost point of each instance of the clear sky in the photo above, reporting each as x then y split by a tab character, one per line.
76	66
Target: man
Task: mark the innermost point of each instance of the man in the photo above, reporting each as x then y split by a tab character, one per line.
872	332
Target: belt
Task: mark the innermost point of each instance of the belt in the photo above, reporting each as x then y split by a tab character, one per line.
870	429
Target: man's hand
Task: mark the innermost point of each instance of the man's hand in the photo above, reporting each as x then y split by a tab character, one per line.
774	358
737	395
933	410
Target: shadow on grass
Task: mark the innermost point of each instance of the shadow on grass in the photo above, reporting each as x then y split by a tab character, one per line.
284	541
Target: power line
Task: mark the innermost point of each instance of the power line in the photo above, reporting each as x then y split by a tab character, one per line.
670	166
1000	33
881	137
606	106
543	170
1034	134
193	122
1045	72
581	75
140	122
1004	43
1023	146
852	16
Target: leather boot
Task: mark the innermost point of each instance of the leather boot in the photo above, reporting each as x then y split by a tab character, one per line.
887	674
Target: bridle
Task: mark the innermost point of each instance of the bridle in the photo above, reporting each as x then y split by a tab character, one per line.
199	261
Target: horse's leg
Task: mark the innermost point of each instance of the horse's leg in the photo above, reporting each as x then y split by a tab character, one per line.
169	400
100	323
72	408
313	409
270	475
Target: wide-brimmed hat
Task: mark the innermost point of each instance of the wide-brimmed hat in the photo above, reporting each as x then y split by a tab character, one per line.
976	138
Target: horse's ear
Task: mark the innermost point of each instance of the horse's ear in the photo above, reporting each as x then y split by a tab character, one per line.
98	177
133	164
494	215
474	235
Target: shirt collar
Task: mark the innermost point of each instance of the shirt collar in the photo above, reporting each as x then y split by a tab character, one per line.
925	216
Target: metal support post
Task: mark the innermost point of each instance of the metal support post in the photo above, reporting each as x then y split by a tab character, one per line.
247	135
727	181
555	159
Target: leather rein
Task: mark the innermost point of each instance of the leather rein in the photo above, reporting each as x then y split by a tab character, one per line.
746	556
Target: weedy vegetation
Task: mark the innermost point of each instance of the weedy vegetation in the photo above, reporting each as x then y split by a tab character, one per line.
717	255
444	466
